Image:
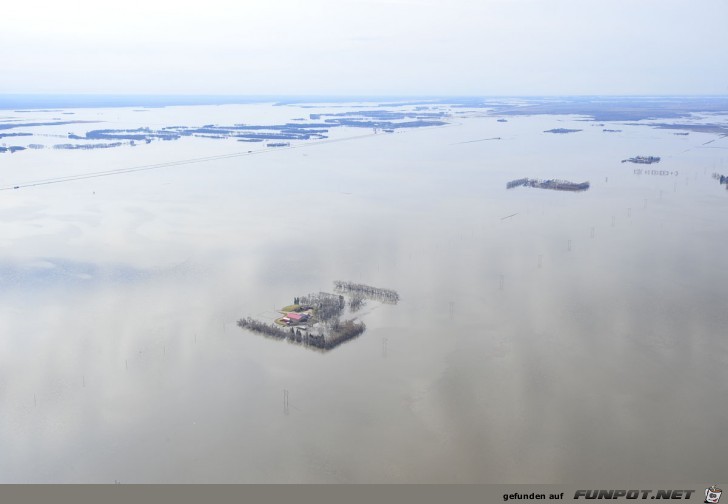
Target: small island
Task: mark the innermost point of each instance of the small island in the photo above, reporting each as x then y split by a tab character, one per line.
562	130
318	321
642	159
317	127
12	148
554	184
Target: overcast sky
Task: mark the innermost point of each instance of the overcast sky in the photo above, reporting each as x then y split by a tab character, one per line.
413	47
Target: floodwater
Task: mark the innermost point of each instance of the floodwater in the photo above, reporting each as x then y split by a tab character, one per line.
580	338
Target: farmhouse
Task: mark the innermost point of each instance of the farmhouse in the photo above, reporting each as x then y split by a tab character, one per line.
295	317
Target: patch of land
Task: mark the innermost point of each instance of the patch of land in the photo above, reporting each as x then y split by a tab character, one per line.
318	320
554	184
642	159
91	146
562	130
12	148
276	135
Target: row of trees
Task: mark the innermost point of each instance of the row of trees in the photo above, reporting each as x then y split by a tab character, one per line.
326	306
723	179
339	333
89	146
367	291
12	148
356	302
344	331
262	328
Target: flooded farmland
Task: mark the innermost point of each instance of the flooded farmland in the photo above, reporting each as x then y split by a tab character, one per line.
539	337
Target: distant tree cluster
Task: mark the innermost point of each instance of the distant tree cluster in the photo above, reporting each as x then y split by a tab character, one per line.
277	134
325	330
344	331
516	183
339	333
367	291
263	328
12	148
355	123
326	306
88	146
643	159
555	184
562	130
3	135
141	134
356	302
382	115
252	133
316	341
723	179
295	335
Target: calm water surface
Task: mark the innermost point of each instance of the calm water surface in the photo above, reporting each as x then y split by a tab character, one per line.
582	337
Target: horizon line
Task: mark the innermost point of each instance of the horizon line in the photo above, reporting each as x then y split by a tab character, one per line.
40	101
347	95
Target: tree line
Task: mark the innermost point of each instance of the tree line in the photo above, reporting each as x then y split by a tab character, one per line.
262	328
367	291
326	306
339	332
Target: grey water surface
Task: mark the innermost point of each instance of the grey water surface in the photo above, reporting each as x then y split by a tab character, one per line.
541	337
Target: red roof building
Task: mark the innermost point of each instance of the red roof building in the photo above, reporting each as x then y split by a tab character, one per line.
297	317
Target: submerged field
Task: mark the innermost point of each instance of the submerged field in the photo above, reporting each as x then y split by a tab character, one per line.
540	336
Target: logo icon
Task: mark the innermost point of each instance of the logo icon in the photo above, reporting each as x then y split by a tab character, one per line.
712	494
